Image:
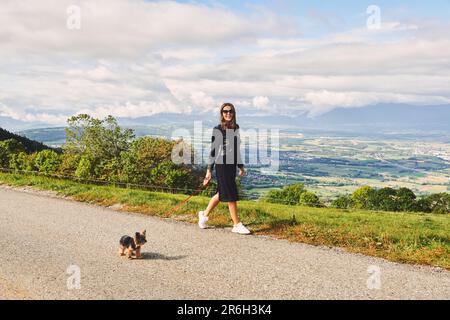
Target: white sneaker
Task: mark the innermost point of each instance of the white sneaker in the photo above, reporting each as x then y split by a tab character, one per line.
241	229
202	220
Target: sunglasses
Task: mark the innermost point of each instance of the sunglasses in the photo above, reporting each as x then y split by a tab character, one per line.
227	111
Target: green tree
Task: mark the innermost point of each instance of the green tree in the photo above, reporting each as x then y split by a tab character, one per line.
290	195
385	199
100	142
407	200
23	162
439	203
69	163
143	156
47	161
309	199
84	168
363	197
343	202
8	148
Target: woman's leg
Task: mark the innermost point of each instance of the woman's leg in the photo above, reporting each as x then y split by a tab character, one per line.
212	204
233	212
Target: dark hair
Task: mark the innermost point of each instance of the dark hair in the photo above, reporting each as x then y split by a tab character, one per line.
223	123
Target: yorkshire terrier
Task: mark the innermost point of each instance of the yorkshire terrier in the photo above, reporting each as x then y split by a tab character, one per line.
132	245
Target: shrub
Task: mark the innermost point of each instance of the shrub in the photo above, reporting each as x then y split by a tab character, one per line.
310	199
364	197
439	203
23	162
8	148
295	194
84	168
69	163
47	161
343	202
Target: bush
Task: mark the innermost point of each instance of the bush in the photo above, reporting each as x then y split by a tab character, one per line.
385	199
343	202
295	194
69	163
47	161
309	199
143	156
364	198
23	162
407	200
439	203
8	148
84	169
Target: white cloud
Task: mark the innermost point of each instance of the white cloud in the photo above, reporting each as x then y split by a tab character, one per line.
53	119
261	102
135	58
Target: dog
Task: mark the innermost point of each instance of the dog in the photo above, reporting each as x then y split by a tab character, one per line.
132	245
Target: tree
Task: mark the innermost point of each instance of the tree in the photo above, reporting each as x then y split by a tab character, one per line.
8	148
84	168
309	199
439	203
23	162
364	197
343	202
99	142
47	161
385	199
293	195
143	156
69	163
407	200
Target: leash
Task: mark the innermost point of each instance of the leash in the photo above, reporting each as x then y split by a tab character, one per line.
197	192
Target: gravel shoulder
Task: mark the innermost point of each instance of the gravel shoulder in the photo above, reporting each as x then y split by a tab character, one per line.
42	236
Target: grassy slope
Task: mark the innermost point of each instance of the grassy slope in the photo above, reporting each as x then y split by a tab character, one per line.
402	237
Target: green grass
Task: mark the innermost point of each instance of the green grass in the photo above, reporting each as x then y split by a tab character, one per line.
402	237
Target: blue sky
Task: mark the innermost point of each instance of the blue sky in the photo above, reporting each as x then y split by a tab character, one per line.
350	13
133	58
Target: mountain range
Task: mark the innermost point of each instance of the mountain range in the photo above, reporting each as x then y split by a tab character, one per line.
390	120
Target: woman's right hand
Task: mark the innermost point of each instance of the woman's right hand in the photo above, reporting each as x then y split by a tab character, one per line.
207	178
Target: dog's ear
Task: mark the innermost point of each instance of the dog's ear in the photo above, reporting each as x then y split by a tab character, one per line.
137	235
144	232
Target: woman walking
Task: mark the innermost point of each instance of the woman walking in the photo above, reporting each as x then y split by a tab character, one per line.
225	156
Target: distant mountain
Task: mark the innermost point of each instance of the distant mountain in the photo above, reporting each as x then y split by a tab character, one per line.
30	145
389	118
394	121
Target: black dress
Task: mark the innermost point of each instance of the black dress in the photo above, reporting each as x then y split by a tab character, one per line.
225	156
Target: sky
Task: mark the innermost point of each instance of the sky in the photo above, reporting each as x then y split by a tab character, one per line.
135	58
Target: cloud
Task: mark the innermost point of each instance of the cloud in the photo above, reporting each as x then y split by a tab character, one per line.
261	102
135	58
53	119
122	28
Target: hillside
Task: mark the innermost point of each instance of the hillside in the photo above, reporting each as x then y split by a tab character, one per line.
30	145
402	237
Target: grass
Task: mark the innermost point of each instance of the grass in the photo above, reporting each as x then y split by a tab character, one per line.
402	237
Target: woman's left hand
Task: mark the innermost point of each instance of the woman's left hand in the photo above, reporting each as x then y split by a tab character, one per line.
241	172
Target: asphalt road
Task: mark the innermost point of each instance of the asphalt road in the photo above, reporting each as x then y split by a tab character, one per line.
42	236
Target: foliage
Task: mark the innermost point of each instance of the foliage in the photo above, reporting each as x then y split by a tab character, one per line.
343	202
23	162
98	142
29	146
7	149
309	199
47	161
291	194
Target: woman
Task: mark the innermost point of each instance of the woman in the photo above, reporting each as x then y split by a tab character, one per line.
225	167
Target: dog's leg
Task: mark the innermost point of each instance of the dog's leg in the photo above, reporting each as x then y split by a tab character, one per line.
138	252
130	253
122	251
